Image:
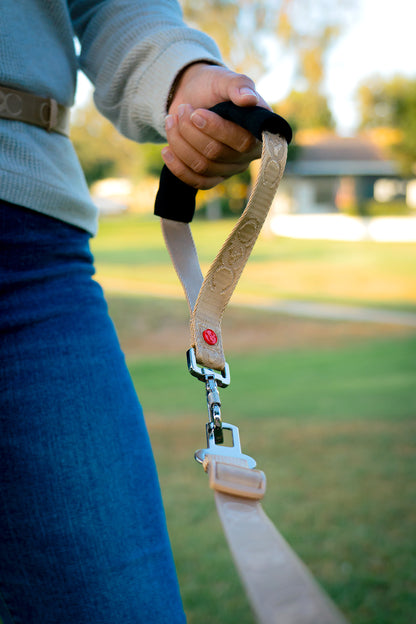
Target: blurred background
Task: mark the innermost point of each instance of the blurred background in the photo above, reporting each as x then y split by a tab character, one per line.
321	333
343	74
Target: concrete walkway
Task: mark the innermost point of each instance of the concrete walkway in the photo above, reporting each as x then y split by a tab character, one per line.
334	312
344	228
330	311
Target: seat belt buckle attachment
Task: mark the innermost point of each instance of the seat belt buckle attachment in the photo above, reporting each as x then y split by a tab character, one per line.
215	427
221	450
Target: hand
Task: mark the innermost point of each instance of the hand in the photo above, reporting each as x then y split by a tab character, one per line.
204	149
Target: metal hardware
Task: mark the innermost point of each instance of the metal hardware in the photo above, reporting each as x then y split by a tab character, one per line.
225	451
214	408
212	380
49	114
200	372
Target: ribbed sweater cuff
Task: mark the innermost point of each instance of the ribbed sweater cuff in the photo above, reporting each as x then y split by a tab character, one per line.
157	81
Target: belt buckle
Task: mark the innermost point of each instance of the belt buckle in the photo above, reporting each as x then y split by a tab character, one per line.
49	114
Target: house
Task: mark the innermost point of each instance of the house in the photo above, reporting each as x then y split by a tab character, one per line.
332	173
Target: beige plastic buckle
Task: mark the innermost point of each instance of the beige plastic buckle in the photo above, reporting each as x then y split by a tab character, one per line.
234	479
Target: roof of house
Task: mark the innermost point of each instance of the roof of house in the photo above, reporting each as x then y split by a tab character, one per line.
334	155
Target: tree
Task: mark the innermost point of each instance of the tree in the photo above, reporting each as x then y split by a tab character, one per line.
306	110
305	29
392	104
245	31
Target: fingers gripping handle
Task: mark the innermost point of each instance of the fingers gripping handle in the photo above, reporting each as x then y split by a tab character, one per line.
255	119
176	200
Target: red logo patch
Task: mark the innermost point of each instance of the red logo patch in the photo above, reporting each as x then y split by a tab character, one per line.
210	336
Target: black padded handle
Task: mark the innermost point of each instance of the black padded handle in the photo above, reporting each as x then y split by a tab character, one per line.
176	200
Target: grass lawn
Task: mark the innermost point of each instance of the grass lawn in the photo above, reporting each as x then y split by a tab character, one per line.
326	408
334	430
131	258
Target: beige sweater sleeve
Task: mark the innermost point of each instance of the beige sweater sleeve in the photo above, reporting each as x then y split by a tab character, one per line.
132	51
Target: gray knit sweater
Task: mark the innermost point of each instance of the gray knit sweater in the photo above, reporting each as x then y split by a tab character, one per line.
131	50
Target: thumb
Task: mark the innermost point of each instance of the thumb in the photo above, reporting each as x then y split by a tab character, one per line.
240	89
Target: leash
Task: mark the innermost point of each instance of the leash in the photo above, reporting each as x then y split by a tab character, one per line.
280	588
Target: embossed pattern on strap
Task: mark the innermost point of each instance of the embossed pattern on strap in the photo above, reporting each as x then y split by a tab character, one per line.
225	271
219	284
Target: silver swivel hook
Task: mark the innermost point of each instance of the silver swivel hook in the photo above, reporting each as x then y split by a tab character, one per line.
212	380
214	408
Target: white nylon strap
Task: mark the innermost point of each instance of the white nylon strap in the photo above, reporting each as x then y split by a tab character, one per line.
181	247
215	291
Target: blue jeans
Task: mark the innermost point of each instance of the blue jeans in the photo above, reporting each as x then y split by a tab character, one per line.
83	538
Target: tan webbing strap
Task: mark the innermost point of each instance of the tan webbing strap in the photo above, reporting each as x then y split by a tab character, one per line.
279	587
233	476
221	279
38	111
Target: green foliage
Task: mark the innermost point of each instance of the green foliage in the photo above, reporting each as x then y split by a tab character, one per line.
374	208
392	103
306	110
243	31
230	197
308	29
104	152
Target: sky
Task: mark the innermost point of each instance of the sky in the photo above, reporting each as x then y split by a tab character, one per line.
382	42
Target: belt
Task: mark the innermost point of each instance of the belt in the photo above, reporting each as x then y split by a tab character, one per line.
279	587
35	110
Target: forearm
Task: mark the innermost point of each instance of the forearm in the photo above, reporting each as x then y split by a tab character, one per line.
132	51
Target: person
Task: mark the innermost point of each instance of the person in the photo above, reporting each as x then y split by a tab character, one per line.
82	526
